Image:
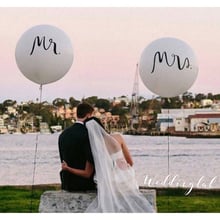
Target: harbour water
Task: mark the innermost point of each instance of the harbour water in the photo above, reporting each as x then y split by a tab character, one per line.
158	160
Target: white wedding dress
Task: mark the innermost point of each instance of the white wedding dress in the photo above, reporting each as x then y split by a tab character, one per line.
117	189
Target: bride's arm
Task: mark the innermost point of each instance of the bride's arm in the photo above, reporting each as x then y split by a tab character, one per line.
124	147
126	152
87	172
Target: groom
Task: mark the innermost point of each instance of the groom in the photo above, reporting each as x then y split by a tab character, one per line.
74	149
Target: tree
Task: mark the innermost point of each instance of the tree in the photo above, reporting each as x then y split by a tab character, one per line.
9	102
34	108
216	96
118	110
2	108
210	96
103	103
73	102
199	97
187	97
151	104
91	100
47	115
58	102
170	103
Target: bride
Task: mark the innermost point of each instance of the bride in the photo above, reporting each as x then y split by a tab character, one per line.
117	189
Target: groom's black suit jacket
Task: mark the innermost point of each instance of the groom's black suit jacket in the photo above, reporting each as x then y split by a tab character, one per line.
74	148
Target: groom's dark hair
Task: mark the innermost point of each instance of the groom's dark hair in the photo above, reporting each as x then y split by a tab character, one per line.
83	109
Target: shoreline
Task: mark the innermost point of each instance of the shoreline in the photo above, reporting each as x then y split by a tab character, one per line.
159	190
186	134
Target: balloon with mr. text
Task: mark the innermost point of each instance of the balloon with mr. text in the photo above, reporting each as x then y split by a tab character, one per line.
44	54
168	67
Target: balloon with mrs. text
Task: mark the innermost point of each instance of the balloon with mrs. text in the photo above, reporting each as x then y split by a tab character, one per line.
168	67
44	54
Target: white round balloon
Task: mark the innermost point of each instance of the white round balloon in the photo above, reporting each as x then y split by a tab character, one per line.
168	67
44	54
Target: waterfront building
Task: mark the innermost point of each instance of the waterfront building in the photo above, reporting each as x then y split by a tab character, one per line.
3	128
44	128
181	120
205	122
206	102
65	112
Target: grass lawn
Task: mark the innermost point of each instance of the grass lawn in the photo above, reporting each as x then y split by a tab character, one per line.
199	201
20	199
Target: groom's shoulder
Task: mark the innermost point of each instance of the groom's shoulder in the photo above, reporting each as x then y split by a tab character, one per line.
76	128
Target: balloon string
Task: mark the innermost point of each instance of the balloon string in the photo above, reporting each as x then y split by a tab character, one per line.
168	146
168	155
35	155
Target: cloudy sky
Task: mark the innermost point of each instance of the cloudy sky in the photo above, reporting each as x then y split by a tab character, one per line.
107	44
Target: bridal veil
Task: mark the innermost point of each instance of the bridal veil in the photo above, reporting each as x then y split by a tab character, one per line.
117	190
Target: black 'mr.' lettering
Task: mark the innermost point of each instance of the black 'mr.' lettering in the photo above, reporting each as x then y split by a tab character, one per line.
42	42
163	56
